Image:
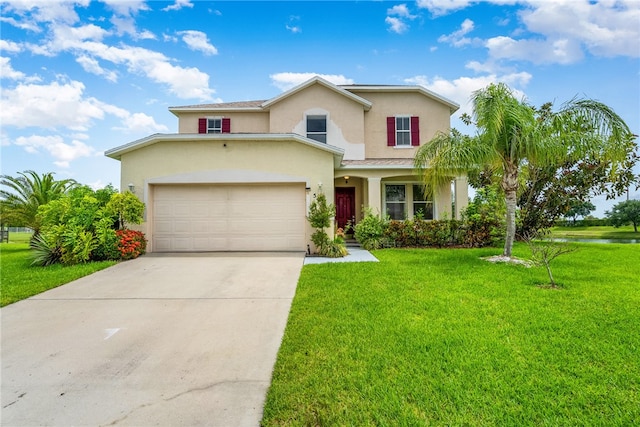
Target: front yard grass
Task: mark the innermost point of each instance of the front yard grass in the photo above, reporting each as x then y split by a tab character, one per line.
20	280
441	337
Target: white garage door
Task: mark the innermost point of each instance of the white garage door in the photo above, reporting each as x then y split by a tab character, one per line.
229	218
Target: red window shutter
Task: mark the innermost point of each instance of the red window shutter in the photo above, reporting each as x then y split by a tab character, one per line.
415	131
226	125
391	131
202	125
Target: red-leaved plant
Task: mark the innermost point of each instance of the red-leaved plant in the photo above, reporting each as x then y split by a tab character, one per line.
131	243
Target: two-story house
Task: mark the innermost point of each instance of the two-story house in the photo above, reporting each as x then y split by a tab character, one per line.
240	176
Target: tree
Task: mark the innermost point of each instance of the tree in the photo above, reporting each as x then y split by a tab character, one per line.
512	134
25	193
624	213
579	208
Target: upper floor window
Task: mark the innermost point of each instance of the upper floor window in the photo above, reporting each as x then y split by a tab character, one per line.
317	128
214	125
403	131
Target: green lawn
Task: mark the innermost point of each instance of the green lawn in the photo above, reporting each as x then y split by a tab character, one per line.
20	280
441	337
604	232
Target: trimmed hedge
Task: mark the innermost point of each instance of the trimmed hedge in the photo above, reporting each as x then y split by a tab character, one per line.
373	232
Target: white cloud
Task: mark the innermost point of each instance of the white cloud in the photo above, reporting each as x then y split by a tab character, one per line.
63	153
561	51
401	10
198	41
126	7
85	41
179	4
396	25
460	89
7	71
605	28
557	31
48	106
442	7
397	17
286	81
141	123
123	19
9	46
457	38
91	65
56	106
293	28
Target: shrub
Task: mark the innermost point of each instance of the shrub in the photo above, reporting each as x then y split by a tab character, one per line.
320	214
370	231
44	250
333	249
77	245
131	243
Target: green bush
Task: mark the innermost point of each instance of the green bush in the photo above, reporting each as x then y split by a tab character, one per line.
371	230
334	249
83	225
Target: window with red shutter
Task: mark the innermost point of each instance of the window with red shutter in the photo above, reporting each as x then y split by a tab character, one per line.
202	125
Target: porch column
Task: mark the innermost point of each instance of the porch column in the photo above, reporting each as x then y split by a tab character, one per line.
375	201
461	189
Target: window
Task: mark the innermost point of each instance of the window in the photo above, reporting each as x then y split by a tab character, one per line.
422	205
407	201
395	198
214	125
403	131
317	128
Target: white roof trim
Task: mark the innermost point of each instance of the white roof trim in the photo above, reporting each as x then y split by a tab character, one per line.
211	108
367	104
117	152
374	167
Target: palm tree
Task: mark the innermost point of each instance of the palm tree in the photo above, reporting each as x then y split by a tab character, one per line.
25	193
511	134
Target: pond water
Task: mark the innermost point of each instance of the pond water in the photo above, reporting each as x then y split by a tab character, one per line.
579	240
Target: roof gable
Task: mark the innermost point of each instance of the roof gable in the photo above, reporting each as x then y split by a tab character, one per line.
320	81
453	106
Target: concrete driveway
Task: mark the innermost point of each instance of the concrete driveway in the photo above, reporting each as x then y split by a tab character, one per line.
161	340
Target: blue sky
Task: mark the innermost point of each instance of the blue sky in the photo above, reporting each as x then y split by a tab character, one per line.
82	77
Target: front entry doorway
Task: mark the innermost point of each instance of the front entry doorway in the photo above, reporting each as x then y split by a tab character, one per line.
345	206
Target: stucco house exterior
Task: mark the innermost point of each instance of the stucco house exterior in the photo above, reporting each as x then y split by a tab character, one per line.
240	176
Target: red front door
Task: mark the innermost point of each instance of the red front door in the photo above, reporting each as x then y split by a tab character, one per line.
345	206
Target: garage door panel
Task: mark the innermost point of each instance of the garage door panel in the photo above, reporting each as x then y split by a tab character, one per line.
228	217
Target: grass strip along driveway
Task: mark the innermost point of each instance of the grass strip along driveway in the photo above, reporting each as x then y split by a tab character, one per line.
20	280
442	337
